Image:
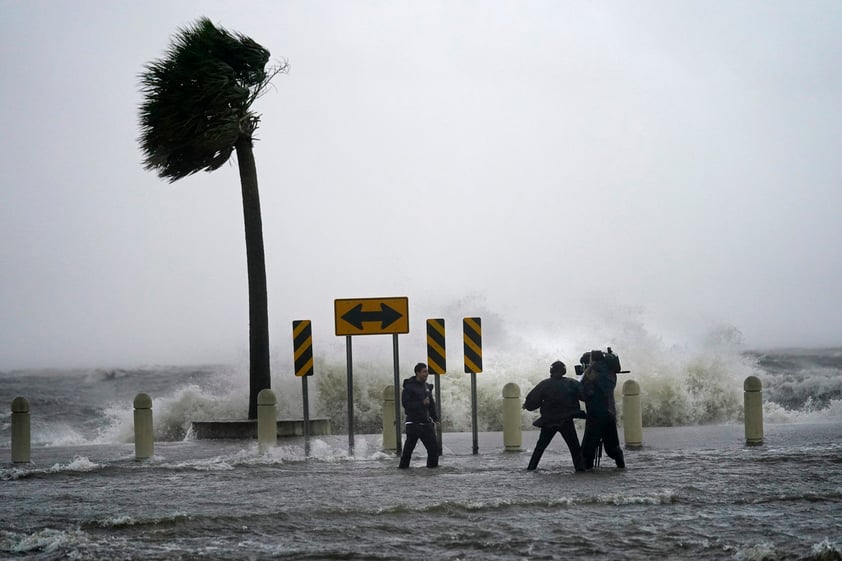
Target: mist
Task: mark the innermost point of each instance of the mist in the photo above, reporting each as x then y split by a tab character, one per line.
570	173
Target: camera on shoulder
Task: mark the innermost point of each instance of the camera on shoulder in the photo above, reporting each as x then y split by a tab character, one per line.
611	360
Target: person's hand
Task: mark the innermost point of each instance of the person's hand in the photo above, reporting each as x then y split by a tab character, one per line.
426	401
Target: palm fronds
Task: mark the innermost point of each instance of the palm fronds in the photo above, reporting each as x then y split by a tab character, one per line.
198	97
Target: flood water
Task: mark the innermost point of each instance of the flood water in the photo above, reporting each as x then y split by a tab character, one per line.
690	493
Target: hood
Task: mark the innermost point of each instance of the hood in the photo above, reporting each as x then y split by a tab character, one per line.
413	380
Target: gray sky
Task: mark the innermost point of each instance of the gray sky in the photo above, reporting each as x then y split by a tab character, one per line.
544	162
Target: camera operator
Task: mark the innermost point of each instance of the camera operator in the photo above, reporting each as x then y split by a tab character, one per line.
558	398
599	380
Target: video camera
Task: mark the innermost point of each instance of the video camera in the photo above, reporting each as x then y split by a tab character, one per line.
608	356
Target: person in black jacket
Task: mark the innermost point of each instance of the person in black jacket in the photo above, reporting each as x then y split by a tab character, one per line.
421	417
558	398
598	382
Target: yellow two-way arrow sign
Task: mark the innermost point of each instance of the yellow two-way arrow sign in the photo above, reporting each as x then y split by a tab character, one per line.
371	316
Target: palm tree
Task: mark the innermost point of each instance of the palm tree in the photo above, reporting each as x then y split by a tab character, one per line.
196	111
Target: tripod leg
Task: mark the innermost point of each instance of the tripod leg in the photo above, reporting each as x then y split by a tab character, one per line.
598	454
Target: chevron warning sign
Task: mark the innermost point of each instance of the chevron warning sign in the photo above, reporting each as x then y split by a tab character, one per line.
302	342
436	354
472	335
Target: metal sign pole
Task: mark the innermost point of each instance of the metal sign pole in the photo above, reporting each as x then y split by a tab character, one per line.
398	447
350	395
474	411
438	404
306	415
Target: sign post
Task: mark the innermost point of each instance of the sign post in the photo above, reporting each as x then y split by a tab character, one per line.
372	316
437	363
472	336
350	389
396	364
302	342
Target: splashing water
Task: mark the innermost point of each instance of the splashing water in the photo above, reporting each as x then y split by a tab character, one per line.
693	383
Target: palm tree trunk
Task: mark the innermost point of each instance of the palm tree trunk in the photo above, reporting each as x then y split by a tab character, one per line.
259	373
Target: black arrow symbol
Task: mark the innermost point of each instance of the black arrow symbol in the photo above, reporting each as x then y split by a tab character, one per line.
386	316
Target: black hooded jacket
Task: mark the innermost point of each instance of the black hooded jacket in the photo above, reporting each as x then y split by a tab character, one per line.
412	399
558	399
599	381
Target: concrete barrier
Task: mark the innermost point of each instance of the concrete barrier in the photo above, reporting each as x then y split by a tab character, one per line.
632	415
512	431
144	435
753	401
267	420
246	429
21	435
390	441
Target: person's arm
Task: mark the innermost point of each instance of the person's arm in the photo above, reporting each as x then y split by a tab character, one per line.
580	391
588	383
533	398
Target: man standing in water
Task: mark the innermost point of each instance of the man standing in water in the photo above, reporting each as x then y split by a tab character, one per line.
558	397
598	382
421	417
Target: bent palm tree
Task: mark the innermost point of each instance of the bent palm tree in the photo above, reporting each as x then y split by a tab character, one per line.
196	111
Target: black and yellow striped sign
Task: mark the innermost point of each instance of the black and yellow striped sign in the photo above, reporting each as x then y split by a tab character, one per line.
302	342
436	353
472	335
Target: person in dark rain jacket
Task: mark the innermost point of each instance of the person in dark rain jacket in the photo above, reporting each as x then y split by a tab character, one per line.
421	417
558	399
598	381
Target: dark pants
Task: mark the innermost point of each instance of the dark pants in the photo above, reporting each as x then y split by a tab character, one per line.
604	428
425	432
568	433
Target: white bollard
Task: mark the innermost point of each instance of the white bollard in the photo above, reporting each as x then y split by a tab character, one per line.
632	415
753	400
144	435
21	436
267	420
389	439
512	431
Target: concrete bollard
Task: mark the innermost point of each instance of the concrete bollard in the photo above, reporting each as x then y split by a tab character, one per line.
512	431
753	399
389	439
21	436
632	415
144	435
267	420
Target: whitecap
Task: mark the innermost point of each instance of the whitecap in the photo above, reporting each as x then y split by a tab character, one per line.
46	540
827	550
78	463
758	552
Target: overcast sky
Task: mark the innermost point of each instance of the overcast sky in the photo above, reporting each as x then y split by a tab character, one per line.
533	160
